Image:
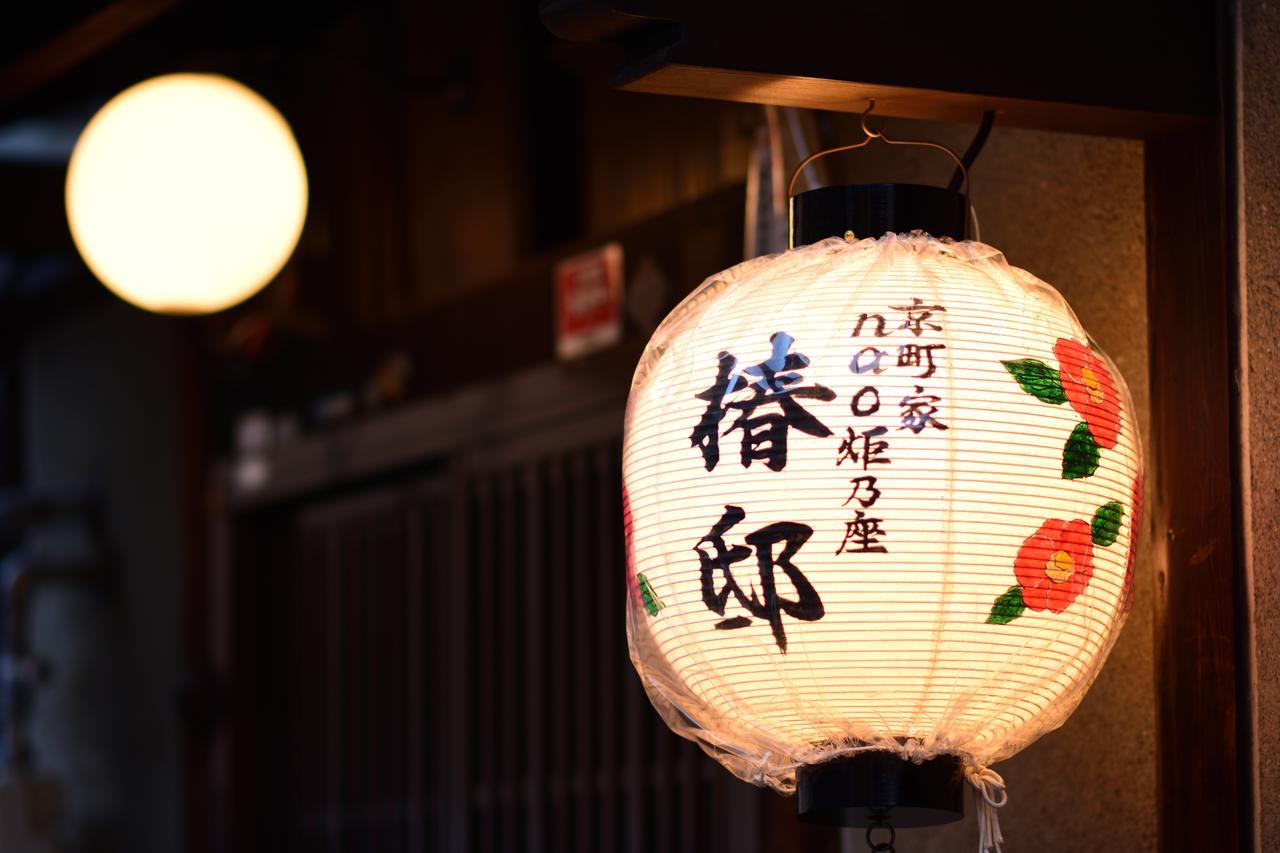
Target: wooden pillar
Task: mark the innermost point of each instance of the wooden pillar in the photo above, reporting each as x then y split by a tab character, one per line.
1203	741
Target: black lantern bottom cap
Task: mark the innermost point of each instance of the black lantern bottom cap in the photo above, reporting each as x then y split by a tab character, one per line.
870	787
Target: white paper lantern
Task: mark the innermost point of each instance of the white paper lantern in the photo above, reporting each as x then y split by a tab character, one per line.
880	494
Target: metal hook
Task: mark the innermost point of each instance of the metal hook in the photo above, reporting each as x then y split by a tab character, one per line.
878	134
871	134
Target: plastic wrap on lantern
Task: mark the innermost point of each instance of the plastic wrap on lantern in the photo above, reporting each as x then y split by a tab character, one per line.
879	494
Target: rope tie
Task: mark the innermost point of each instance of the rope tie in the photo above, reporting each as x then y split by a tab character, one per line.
758	777
988	796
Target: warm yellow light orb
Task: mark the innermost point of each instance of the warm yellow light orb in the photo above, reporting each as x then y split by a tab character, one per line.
186	193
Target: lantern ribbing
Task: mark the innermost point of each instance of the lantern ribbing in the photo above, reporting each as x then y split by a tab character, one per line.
880	494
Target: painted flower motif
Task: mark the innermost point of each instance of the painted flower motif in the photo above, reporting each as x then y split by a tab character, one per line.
1090	389
1083	380
1054	564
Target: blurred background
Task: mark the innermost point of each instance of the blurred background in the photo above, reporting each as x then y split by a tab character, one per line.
340	568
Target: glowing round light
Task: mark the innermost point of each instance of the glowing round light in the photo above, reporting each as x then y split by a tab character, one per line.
880	494
186	193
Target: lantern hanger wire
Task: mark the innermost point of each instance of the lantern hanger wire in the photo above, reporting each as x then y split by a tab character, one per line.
878	133
872	133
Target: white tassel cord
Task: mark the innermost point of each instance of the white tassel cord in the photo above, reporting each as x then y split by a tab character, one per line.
988	796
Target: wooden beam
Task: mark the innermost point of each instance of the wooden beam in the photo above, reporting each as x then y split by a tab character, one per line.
899	101
46	63
1146	71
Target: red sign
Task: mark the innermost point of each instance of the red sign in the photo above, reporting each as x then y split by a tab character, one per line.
589	301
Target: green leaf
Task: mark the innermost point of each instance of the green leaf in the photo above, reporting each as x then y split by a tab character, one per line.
1080	455
1037	379
1007	607
652	604
1106	523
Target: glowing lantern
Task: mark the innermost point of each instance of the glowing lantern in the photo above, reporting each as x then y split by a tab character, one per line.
186	193
881	497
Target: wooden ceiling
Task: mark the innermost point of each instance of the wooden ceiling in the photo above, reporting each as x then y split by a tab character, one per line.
1140	68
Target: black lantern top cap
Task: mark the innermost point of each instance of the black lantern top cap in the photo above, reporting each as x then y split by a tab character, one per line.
870	210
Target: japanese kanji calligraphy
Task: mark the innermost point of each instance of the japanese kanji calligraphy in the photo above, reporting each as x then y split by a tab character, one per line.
865	446
719	583
776	381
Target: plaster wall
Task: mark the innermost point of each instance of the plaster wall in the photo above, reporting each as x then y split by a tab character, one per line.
1260	195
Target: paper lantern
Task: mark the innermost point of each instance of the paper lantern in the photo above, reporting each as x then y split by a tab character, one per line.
881	495
186	193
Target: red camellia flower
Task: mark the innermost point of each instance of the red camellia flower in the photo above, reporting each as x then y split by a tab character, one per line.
1090	390
1054	564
